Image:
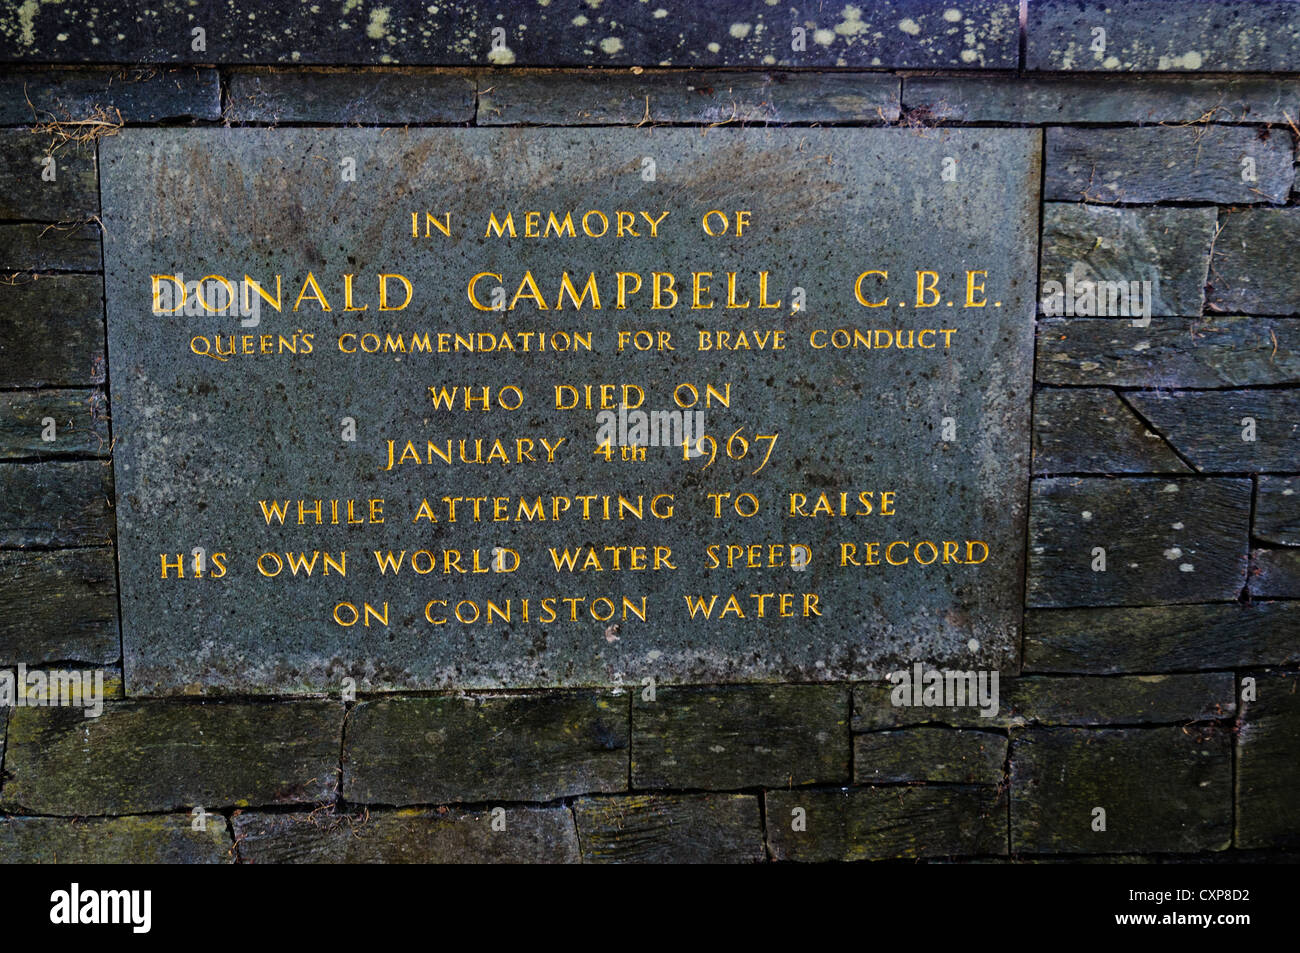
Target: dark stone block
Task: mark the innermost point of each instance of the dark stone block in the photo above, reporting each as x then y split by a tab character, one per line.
1165	541
1228	431
1255	260
72	195
1143	35
588	98
740	736
1168	247
391	97
1123	699
1169	353
532	835
1277	510
80	423
676	829
1162	789
36	247
511	747
1275	573
141	756
1268	763
1196	163
880	823
54	331
874	710
153	839
58	606
1094	431
134	95
929	754
56	504
1162	638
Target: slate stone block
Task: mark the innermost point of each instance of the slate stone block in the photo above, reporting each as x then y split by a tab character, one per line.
56	504
1227	431
740	736
58	606
1094	431
1167	247
151	839
1162	790
440	750
1145	35
882	823
391	97
142	756
1169	353
532	835
1277	510
135	95
1123	699
27	192
78	423
32	246
1162	638
54	331
594	98
1237	165
948	755
1255	260
1275	573
1165	541
1268	763
677	829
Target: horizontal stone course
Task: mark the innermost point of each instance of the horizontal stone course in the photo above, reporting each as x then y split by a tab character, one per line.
149	756
151	839
33	246
54	331
391	97
1220	351
929	754
885	823
27	191
116	94
438	750
58	606
1173	540
56	504
1268	762
1209	35
1163	789
1162	638
75	421
588	98
524	835
740	736
1093	431
1183	163
1227	431
677	828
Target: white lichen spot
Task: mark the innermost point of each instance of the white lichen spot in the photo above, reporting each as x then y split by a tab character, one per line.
579	20
377	28
823	37
1171	487
1191	60
770	60
952	15
501	56
1087	515
1176	525
852	24
909	26
973	645
1110	62
611	44
1173	552
713	47
740	30
1186	567
969	56
660	13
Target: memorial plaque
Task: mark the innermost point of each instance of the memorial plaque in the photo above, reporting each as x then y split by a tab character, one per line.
474	408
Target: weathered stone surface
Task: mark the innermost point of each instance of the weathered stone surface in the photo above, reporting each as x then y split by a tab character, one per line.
680	829
511	747
1094	431
1227	431
154	839
57	606
54	331
177	427
889	33
929	754
740	736
1076	98
1165	540
1197	163
73	194
1253	268
874	710
1163	789
879	823
1210	35
391	97
1277	510
1170	352
1268	763
585	98
159	756
1123	699
33	246
532	835
1275	573
56	504
1168	247
80	423
146	94
1162	638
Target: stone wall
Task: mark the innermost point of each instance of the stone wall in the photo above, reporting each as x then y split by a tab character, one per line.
1163	689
